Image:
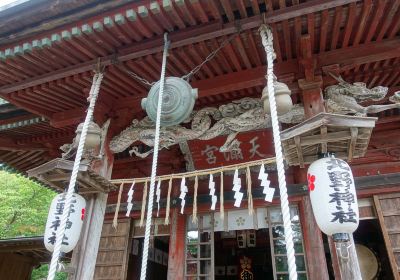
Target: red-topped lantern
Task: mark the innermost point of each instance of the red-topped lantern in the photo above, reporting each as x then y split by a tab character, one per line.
333	197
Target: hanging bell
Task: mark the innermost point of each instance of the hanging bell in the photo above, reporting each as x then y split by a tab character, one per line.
177	104
282	97
93	136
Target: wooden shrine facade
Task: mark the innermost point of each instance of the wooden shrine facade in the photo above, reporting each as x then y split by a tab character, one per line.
49	49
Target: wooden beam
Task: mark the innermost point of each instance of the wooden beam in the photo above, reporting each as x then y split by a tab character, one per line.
181	38
361	54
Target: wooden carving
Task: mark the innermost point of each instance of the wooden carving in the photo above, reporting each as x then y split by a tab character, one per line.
247	114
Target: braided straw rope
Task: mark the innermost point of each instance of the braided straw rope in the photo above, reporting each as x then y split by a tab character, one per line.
154	165
94	91
267	41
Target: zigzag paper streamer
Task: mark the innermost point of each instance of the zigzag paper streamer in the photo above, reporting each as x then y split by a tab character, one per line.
211	186
182	196
158	194
269	192
129	200
237	184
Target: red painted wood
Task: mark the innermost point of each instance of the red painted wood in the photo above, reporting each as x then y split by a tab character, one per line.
176	256
313	243
254	145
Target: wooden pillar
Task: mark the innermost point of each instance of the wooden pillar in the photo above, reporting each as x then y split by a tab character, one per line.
345	266
313	243
176	255
311	85
312	96
85	254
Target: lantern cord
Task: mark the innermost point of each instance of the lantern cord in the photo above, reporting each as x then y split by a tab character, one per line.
154	164
267	41
94	91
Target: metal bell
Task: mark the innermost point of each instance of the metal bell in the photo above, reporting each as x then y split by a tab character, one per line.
178	101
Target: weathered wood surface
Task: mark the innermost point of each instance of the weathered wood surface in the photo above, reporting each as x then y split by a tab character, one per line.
348	265
346	136
84	260
346	268
388	210
313	243
176	257
113	255
16	267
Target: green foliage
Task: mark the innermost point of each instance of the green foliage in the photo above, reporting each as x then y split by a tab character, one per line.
41	273
24	205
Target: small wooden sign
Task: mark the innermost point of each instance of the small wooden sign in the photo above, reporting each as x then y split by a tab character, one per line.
253	145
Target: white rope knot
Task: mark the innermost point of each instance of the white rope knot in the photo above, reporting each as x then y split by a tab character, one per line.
267	39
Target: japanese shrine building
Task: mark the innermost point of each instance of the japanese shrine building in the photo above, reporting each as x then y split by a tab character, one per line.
49	51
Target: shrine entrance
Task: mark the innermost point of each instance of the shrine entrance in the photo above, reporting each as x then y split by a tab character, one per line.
240	246
158	251
244	254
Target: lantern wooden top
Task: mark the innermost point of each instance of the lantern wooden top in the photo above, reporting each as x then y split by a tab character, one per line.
346	136
57	172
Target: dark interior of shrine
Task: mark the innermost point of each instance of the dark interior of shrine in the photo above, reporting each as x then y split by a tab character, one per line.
228	254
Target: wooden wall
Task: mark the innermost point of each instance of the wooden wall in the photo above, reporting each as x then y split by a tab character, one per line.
112	259
15	267
388	209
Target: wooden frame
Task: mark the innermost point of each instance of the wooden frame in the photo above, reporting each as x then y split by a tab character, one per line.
386	234
346	136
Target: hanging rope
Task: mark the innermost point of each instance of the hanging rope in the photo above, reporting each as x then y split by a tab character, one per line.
267	41
167	208
202	172
194	215
221	196
154	165
249	193
115	220
144	199
196	69
94	91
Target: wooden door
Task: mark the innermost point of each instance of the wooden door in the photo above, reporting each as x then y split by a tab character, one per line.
388	210
112	259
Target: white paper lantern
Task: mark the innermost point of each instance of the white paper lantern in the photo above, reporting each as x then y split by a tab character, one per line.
333	196
73	226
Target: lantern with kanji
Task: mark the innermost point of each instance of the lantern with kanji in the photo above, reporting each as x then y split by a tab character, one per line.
73	226
333	197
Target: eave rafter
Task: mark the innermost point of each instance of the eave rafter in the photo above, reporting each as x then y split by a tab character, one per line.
184	37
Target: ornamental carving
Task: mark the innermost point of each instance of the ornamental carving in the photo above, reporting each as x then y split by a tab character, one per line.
345	98
247	114
229	119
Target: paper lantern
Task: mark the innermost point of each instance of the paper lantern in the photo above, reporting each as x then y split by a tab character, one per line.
333	197
73	226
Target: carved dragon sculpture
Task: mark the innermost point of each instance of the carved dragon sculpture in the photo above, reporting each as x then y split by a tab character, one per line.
344	98
239	116
247	114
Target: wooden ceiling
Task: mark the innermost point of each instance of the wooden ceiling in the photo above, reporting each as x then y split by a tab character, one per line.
49	74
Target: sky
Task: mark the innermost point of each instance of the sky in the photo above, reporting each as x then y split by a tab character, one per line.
6	2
